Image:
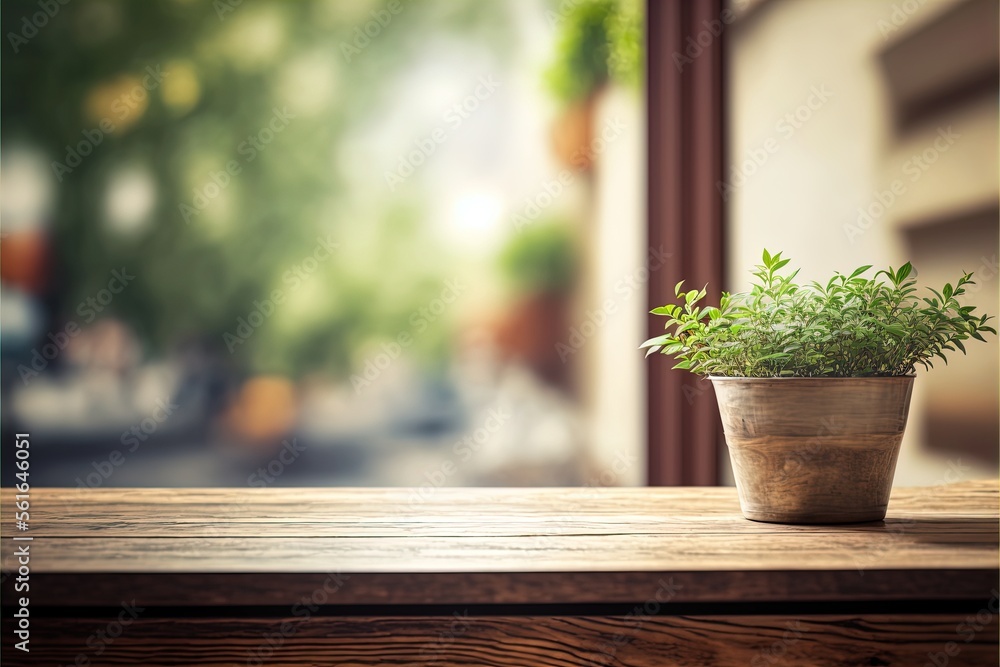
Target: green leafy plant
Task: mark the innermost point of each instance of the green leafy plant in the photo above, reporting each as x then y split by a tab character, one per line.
599	40
851	326
541	258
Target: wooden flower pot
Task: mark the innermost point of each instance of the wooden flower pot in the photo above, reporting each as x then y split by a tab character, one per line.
813	450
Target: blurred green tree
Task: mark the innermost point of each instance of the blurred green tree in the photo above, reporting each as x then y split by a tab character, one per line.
179	90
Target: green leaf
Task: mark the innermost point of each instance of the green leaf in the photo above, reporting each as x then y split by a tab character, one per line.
904	271
858	271
894	329
687	326
662	310
658	340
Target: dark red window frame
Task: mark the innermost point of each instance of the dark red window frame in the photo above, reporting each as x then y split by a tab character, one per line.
685	116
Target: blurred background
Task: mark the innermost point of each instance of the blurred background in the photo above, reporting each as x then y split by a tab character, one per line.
402	243
324	242
866	132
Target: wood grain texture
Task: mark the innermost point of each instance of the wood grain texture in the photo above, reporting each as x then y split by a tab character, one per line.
192	589
463	577
462	639
349	512
511	546
523	553
814	450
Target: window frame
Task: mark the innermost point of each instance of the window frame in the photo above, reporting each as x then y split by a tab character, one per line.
685	106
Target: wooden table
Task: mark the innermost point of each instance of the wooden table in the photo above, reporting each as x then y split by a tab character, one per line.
553	577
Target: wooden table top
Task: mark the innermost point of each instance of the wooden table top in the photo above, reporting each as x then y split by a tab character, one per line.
491	546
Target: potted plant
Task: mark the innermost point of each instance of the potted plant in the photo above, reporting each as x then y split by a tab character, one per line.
599	41
539	265
814	381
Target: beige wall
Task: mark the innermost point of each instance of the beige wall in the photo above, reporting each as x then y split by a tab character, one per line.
617	399
805	176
